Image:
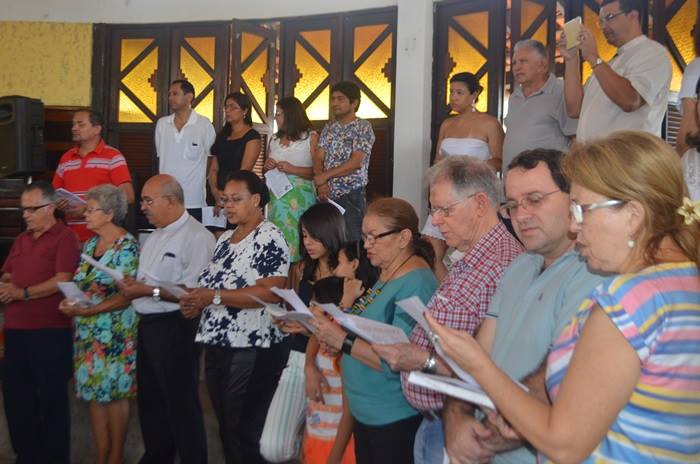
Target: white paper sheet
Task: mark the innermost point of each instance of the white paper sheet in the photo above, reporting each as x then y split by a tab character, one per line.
291	297
372	331
340	208
209	219
452	387
113	273
72	199
73	294
278	182
287	316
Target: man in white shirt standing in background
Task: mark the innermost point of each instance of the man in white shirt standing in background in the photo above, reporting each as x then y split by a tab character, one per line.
630	92
183	140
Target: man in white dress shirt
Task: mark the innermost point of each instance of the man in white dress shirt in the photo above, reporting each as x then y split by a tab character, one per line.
628	93
183	140
176	252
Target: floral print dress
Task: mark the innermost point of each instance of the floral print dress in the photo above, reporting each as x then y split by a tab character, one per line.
105	344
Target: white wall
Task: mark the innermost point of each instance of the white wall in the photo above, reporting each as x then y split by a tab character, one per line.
147	11
414	48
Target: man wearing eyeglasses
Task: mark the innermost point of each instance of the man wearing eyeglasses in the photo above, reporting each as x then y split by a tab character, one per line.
176	252
630	92
535	299
38	337
465	197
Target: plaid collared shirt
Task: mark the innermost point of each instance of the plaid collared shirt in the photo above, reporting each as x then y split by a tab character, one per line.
462	300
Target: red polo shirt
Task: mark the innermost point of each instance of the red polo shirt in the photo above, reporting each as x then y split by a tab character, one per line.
32	261
78	174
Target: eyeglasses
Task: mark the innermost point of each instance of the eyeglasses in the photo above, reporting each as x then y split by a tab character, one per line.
231	107
92	210
369	239
578	210
603	20
529	202
446	211
32	209
233	200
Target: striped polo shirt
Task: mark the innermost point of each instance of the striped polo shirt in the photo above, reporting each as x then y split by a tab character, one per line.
658	311
78	174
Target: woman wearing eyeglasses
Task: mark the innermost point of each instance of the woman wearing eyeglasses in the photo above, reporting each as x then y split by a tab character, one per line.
385	424
623	375
244	352
104	341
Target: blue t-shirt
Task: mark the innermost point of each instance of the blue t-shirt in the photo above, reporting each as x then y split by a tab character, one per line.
375	398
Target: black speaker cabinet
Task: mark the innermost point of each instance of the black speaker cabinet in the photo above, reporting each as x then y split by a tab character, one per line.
22	149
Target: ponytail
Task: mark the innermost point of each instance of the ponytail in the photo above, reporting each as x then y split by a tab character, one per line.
423	249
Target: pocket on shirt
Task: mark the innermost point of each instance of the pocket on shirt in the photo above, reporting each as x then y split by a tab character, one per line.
193	152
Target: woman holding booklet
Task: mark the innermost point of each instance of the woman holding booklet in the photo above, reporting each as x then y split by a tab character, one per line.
384	423
245	352
104	344
623	375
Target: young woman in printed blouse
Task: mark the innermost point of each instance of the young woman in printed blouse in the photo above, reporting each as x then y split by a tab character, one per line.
244	352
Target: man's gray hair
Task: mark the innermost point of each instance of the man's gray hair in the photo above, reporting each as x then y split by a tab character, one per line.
467	176
112	200
172	188
536	45
45	187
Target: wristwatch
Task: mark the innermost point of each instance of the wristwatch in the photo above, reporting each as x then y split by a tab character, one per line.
25	290
430	365
597	61
156	294
347	344
217	297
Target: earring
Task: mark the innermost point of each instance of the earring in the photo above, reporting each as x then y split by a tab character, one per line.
630	244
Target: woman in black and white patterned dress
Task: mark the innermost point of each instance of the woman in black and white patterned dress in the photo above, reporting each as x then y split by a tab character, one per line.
244	352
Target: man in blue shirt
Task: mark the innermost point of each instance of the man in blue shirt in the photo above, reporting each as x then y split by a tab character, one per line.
537	296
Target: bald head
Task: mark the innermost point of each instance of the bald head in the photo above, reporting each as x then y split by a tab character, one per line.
162	200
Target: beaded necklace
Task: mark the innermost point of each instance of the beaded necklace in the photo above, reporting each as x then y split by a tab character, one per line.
369	296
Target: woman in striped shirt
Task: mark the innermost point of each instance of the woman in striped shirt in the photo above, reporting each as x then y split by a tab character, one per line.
624	376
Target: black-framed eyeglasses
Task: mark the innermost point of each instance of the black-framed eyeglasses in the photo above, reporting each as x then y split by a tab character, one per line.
370	239
445	211
578	210
32	209
603	20
92	210
529	202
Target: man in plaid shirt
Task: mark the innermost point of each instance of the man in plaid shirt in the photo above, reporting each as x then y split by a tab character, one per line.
465	198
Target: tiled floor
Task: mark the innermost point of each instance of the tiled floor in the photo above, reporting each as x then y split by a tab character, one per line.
83	450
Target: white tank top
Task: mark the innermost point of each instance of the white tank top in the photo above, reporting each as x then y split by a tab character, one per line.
297	152
476	148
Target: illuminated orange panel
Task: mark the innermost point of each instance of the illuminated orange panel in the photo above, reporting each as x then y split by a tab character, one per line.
466	59
206	106
129	112
253	76
605	50
541	33
193	72
318	109
530	11
311	75
678	29
249	42
321	41
205	47
371	72
364	36
130	49
477	24
138	82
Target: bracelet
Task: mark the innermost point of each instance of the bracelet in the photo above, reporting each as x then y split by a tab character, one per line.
26	293
430	365
347	344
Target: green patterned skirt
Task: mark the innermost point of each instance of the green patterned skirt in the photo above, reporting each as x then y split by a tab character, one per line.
285	212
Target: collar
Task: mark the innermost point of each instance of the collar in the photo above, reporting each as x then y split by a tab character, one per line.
98	149
191	120
53	230
485	246
631	44
547	87
179	222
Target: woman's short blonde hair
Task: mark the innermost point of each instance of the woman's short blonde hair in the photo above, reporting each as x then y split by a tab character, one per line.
637	166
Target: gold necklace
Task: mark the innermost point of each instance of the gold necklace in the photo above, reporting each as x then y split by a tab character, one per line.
365	300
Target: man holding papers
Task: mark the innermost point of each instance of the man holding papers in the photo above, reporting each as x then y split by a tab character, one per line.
536	297
90	163
465	197
175	253
38	337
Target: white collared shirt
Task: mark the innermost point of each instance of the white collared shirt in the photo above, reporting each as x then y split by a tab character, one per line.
183	154
645	64
176	253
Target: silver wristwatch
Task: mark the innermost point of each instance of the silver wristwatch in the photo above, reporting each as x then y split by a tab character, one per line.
430	365
156	294
217	297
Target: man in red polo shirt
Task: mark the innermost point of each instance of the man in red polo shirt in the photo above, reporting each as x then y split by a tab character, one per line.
90	163
38	337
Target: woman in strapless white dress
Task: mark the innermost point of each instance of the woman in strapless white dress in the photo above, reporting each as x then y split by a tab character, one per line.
468	133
